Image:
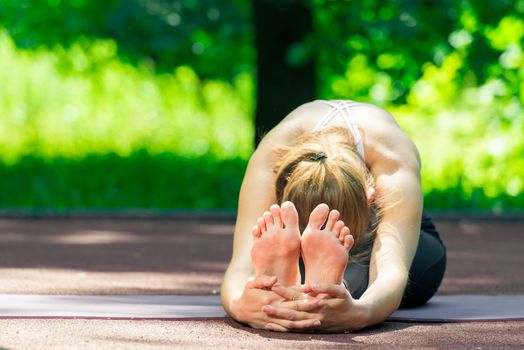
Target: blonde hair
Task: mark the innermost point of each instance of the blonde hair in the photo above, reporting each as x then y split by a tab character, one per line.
324	167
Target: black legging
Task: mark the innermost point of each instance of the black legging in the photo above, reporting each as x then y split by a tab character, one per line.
425	275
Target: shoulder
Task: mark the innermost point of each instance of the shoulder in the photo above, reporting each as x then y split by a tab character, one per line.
299	121
386	144
371	116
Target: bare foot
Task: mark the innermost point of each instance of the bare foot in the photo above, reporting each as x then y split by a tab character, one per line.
325	251
277	244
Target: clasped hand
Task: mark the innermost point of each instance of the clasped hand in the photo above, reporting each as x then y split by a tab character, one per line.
266	305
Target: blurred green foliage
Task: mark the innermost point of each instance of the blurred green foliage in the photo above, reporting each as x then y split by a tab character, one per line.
112	181
212	36
83	99
148	103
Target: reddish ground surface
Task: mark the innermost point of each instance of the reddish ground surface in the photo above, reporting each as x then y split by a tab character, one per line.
187	257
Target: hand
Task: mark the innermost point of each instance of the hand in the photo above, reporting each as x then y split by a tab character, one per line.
297	311
337	313
258	296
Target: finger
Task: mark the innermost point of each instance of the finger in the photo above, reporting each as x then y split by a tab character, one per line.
288	293
275	327
305	288
306	305
297	325
262	281
275	213
332	219
285	313
333	290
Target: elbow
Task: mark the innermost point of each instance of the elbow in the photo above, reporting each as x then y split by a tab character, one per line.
226	296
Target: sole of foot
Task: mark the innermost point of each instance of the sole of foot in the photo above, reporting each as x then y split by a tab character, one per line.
325	249
276	246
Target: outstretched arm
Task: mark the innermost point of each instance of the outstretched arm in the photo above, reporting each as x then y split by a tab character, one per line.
256	195
395	164
242	299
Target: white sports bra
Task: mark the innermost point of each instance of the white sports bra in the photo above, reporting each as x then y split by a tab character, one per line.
342	108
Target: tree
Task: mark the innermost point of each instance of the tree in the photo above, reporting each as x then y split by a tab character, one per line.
285	66
305	48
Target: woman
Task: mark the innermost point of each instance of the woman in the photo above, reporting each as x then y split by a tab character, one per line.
347	177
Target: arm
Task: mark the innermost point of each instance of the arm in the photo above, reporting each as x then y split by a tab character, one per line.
395	164
256	195
242	297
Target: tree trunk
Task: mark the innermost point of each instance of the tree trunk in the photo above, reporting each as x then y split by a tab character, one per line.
281	87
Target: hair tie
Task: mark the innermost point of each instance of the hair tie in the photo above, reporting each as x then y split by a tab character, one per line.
318	157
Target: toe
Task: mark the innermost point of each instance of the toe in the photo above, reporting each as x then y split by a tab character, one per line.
261	223
349	241
289	214
344	231
268	218
332	219
318	216
337	229
275	213
255	232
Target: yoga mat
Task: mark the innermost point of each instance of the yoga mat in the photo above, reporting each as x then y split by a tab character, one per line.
117	306
461	308
441	308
